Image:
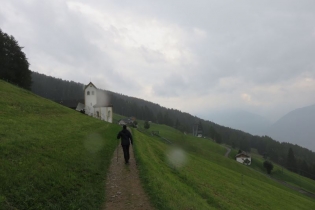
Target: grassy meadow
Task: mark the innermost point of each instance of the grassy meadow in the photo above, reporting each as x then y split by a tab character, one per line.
51	157
192	173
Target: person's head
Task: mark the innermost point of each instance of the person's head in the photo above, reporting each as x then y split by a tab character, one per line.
124	127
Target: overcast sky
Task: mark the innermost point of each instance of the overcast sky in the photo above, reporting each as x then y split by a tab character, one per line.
195	56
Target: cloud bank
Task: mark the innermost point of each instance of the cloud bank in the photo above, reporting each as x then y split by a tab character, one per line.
193	56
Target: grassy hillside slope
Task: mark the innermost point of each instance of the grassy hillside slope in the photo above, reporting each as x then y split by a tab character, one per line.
281	173
193	173
51	157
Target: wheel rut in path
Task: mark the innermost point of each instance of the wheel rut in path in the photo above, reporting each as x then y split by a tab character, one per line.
123	186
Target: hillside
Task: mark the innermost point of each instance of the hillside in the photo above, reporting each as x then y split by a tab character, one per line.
51	157
146	110
55	158
192	173
296	127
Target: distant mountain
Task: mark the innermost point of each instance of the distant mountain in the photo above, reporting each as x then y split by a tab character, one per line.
297	127
241	120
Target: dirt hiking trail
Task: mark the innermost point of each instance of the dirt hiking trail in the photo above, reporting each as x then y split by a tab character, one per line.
123	187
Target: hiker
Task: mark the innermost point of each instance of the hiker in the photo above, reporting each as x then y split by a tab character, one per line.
126	138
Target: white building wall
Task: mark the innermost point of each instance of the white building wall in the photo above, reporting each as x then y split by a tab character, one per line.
104	113
90	100
241	159
109	114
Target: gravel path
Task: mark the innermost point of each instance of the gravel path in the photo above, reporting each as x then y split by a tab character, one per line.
227	152
123	187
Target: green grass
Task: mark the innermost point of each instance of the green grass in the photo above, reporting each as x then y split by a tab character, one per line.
51	157
117	117
279	172
283	174
207	179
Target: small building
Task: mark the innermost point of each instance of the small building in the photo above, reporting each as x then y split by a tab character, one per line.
243	158
80	107
127	121
96	103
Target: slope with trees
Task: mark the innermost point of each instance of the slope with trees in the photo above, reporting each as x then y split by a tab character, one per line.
145	110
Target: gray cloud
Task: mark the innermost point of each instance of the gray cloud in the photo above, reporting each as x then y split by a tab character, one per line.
210	51
172	86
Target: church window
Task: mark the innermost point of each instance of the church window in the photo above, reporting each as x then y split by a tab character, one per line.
92	92
88	93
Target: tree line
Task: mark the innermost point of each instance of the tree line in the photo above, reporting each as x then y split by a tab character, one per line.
56	89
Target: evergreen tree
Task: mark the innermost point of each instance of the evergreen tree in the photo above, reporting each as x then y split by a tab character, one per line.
217	138
159	118
177	124
268	165
291	162
200	128
146	125
304	168
244	145
14	66
211	132
167	120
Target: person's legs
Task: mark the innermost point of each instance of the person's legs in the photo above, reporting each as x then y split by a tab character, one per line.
126	152
128	156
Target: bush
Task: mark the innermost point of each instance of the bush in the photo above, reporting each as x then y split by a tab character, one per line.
268	165
146	125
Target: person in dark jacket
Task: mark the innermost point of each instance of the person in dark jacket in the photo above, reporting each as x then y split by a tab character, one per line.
126	138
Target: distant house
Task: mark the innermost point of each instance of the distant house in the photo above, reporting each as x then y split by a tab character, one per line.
243	158
127	121
96	103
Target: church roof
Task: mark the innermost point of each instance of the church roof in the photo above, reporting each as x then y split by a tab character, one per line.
89	85
242	154
102	105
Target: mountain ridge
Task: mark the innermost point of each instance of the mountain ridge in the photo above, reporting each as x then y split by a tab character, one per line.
242	120
296	127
